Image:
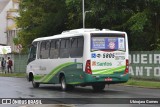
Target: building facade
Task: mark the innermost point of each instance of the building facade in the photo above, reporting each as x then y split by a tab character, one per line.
8	28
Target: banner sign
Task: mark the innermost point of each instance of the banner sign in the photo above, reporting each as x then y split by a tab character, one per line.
5	49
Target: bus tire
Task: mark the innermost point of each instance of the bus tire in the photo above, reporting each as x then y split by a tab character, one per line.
64	85
35	84
98	87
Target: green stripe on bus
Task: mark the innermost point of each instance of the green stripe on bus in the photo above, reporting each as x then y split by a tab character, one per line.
49	76
109	71
75	83
38	77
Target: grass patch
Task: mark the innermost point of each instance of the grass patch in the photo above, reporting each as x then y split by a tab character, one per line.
20	75
143	83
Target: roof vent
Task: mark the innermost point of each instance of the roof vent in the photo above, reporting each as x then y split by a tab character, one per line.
105	29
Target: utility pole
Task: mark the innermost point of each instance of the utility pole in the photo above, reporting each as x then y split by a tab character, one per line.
83	13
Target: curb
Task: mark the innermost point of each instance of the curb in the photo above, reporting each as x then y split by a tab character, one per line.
139	86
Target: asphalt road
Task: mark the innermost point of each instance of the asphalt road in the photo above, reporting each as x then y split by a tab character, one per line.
21	88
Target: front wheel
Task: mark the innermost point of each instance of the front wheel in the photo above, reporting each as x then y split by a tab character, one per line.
35	84
65	86
98	87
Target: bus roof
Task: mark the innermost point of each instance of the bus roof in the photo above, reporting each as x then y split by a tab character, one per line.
74	32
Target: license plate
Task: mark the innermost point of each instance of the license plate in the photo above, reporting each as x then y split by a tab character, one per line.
108	79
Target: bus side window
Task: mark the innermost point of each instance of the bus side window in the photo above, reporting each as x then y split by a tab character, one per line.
47	49
76	47
32	54
44	49
80	46
73	49
64	48
74	43
54	49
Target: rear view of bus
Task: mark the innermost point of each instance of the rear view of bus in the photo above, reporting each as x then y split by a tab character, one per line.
108	62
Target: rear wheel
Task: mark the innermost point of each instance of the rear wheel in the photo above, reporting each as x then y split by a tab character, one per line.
98	87
35	84
64	85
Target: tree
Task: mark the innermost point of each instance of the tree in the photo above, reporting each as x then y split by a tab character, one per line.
139	18
39	18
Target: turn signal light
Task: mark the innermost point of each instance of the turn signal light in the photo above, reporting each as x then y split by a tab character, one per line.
88	67
127	67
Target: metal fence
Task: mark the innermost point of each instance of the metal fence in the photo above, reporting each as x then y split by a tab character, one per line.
19	62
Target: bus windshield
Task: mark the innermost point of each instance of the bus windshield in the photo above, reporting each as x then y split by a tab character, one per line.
108	42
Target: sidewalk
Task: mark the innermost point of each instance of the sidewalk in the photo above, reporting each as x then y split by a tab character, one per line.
2	72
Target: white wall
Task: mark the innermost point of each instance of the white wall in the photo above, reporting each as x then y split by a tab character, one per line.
3	23
16	6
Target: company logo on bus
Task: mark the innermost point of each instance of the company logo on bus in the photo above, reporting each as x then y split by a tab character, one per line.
94	63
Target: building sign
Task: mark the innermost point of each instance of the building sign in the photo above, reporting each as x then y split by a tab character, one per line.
5	49
145	64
